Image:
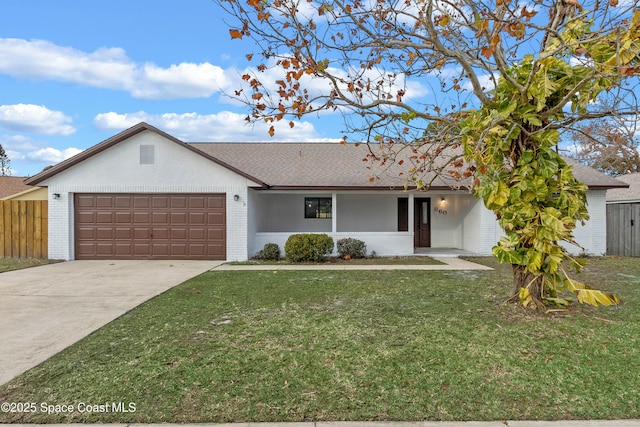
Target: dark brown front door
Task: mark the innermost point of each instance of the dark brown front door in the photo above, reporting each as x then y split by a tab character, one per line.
150	226
422	223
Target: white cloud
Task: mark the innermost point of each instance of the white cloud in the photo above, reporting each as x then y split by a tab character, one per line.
108	68
29	156
34	119
224	126
52	155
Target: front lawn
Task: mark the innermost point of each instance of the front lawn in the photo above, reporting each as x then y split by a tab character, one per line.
339	345
392	260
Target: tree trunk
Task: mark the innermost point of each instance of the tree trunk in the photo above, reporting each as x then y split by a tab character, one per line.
525	279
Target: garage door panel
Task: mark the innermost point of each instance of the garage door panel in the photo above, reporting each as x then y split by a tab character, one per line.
85	201
123	217
197	233
178	234
104	202
178	249
142	233
215	218
124	233
197	218
122	202
178	218
215	234
197	250
160	249
160	218
178	202
142	250
103	233
160	202
216	250
104	249
104	217
123	249
214	202
141	218
141	202
197	202
160	233
149	226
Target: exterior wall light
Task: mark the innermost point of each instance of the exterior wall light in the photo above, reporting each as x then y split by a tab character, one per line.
236	197
56	196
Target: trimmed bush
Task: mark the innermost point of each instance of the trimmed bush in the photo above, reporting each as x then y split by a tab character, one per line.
351	248
308	247
270	252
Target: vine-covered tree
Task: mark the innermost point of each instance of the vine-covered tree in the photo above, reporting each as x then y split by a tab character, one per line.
503	78
609	146
5	163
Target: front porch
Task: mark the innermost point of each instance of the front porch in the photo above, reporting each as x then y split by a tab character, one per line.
391	223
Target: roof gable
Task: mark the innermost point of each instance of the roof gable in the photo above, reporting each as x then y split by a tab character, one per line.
116	139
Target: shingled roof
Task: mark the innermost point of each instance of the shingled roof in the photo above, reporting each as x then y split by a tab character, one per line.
305	165
10	185
630	194
313	165
293	165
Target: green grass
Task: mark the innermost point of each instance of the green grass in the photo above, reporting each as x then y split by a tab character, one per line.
340	345
398	260
8	264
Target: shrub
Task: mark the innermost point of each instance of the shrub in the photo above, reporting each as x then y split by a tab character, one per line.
270	252
308	247
352	248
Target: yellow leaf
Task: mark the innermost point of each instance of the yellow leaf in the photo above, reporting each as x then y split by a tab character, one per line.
525	297
272	131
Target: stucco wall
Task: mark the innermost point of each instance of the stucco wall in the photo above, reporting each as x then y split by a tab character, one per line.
280	212
118	170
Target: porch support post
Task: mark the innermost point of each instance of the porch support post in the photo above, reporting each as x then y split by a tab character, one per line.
411	218
334	213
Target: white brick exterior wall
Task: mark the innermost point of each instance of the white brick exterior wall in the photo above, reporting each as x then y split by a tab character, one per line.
467	224
117	170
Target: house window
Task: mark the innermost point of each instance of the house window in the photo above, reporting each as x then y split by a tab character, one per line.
147	154
403	214
317	207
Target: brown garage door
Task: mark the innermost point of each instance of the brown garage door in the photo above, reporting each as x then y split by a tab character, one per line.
150	226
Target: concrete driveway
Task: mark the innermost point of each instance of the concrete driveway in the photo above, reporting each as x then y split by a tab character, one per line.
45	309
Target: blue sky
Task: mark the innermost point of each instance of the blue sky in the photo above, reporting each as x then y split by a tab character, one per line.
76	72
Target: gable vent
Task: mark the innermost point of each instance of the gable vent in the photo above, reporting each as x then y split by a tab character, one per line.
147	154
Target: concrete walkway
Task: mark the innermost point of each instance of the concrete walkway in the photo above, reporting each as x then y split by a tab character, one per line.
449	263
46	309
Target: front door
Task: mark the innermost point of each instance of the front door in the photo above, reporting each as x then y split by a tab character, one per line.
422	223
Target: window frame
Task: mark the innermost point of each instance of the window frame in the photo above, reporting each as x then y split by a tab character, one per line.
321	204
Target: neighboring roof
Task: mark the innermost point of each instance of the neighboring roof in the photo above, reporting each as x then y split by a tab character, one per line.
10	185
33	193
626	194
305	165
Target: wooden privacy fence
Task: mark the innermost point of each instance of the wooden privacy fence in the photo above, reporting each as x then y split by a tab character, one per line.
23	229
623	229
